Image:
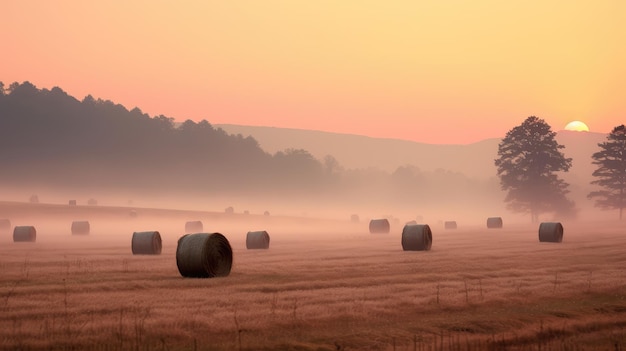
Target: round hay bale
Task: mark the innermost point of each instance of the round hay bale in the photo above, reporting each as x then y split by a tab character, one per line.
146	243
24	233
355	218
266	213
379	226
204	255
193	227
494	222
72	202
551	232
5	225
246	212
92	202
449	224
80	228
34	199
416	237
411	222
229	210
258	240
133	213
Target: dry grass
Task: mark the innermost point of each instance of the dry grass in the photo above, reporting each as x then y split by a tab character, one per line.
322	288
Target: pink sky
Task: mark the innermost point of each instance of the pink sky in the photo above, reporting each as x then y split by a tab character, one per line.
437	72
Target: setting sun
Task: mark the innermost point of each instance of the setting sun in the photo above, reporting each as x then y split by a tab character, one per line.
577	126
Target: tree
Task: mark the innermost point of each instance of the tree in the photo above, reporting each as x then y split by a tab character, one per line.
528	158
611	172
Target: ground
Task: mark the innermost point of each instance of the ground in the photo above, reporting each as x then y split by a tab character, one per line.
322	285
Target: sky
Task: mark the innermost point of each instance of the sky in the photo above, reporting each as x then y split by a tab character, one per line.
443	72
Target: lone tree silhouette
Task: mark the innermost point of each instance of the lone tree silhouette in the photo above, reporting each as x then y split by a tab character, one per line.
528	158
611	172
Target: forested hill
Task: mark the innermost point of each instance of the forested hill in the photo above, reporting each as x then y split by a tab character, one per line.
50	138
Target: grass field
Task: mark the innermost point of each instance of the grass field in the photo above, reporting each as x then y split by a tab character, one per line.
322	285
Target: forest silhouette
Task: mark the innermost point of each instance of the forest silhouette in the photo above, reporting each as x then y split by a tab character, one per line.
51	139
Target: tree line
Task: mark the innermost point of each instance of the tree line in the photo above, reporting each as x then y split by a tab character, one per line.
529	159
48	137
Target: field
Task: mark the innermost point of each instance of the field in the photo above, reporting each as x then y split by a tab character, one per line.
322	285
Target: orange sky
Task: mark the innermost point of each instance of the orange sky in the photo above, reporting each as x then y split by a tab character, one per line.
455	71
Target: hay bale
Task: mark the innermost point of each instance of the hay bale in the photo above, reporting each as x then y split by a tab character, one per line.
416	237
5	225
133	213
24	233
72	202
551	232
34	199
92	202
379	226
258	240
204	255
355	218
229	210
449	224
193	227
411	222
266	213
146	243
80	228
494	222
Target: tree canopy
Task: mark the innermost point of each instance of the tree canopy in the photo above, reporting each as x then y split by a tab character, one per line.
528	159
611	171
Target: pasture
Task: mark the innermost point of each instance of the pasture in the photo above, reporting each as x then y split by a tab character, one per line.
321	285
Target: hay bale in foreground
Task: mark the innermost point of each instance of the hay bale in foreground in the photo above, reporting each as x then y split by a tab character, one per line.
204	255
494	222
258	240
5	225
551	232
146	243
417	237
449	225
24	233
193	227
379	225
80	228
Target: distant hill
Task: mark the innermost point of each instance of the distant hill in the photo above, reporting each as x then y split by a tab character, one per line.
356	151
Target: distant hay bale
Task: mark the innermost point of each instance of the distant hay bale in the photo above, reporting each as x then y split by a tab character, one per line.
551	232
412	222
494	222
204	255
258	240
379	226
5	225
72	202
229	210
133	213
246	212
146	243
80	228
24	233
417	237
449	224
34	199
92	202
266	213
355	218
193	227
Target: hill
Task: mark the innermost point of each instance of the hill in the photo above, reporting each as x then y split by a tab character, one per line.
356	151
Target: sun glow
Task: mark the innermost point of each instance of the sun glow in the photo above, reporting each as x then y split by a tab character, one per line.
577	126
